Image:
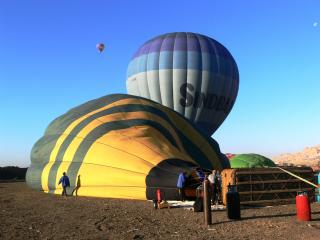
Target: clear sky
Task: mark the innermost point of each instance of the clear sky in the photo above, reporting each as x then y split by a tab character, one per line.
49	64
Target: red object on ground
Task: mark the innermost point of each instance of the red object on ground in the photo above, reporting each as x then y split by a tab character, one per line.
159	195
303	207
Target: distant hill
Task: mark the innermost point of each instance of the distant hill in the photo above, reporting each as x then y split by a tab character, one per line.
310	156
12	173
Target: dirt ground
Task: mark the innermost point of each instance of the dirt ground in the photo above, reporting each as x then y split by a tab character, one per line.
29	214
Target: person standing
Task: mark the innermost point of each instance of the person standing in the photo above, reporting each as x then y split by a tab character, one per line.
77	186
64	180
181	185
218	184
212	180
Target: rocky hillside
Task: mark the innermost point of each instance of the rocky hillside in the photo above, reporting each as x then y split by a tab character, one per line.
310	156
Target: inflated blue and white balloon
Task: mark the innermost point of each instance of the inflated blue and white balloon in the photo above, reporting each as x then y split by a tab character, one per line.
188	72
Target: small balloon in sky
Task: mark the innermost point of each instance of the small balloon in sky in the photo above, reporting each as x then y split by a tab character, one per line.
315	24
100	47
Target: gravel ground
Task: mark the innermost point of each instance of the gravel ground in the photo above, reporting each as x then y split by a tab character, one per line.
29	214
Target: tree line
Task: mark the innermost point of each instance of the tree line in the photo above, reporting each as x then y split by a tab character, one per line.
12	173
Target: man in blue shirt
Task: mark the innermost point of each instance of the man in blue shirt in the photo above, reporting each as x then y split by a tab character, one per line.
181	185
64	180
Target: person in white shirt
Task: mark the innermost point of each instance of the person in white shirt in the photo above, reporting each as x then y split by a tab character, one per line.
218	182
212	179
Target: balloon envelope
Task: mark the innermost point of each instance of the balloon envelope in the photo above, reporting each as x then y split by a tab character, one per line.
188	72
250	160
100	47
122	146
230	155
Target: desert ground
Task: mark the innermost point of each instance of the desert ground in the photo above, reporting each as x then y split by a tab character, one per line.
29	214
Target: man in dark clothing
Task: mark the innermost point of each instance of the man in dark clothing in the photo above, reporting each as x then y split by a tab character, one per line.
64	180
200	174
77	186
181	185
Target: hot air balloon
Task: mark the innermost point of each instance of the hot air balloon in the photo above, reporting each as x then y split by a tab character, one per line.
251	160
230	155
100	47
122	146
191	73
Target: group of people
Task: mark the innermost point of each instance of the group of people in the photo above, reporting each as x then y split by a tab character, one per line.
214	178
215	184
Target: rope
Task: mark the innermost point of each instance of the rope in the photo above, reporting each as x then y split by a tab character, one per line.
296	176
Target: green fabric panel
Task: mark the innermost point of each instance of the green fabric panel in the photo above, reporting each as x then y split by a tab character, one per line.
41	150
40	155
33	176
62	122
251	161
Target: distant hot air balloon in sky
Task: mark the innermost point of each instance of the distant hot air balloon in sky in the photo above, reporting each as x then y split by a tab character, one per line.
191	73
100	47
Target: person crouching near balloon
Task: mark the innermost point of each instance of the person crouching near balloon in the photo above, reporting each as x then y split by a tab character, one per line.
181	185
64	180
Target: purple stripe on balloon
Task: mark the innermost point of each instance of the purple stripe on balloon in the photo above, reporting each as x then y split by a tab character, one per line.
182	42
167	44
143	50
193	43
156	45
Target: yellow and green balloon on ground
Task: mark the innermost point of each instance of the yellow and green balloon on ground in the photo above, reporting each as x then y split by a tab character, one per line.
122	146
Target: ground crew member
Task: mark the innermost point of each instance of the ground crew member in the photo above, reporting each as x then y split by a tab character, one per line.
64	180
181	185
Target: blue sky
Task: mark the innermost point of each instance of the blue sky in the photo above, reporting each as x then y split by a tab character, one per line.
49	64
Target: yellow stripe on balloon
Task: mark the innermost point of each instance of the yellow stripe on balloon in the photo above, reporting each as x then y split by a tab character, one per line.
74	145
101	165
61	139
